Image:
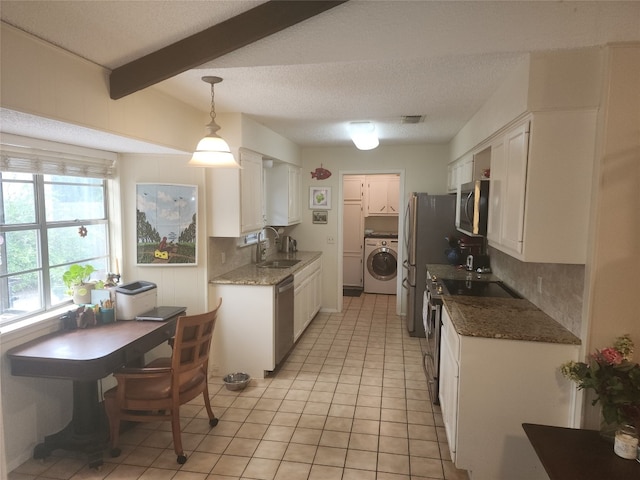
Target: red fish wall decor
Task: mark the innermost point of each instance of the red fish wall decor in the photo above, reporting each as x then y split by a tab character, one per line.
321	173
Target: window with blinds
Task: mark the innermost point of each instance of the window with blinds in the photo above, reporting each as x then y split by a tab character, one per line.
53	213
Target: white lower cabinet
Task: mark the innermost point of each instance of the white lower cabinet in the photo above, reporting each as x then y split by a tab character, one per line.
449	376
488	388
244	336
307	294
243	339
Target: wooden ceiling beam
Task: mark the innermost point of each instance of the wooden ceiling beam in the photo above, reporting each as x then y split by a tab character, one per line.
225	37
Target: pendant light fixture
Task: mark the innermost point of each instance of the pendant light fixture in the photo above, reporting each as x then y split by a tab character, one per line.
363	135
212	151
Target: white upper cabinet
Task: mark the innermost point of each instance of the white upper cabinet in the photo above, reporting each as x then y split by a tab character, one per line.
459	171
540	193
353	188
507	189
382	195
282	184
235	198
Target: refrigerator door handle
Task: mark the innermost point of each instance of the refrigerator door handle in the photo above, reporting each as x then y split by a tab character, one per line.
405	264
405	284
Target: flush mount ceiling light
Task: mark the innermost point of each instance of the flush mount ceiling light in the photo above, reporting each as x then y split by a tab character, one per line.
363	135
212	150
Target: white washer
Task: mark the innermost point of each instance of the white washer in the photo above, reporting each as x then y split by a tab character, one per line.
381	265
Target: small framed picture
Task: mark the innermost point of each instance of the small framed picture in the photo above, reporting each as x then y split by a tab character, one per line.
320	198
319	216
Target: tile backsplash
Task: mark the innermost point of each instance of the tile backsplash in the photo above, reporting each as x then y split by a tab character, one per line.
562	287
235	256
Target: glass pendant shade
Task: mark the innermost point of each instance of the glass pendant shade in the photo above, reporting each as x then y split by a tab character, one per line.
213	151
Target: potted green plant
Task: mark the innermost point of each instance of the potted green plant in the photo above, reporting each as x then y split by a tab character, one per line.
76	278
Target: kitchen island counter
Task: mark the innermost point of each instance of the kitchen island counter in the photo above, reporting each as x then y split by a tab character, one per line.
251	274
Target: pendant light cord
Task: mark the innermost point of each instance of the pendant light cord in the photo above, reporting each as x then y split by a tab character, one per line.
212	114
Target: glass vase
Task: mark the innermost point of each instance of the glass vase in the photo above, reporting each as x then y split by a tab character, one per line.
608	430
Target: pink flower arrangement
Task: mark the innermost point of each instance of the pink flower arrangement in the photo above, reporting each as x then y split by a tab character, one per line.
612	356
615	379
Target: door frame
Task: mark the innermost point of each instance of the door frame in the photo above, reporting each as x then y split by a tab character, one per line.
401	253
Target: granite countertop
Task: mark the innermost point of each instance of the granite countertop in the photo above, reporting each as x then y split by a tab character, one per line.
251	274
506	318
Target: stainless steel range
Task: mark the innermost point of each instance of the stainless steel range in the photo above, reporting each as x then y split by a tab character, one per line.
431	313
435	289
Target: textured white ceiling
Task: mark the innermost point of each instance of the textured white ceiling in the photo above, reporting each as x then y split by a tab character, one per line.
364	60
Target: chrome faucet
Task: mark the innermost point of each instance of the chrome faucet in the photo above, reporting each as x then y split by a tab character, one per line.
261	253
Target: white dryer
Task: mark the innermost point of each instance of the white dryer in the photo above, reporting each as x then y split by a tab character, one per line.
381	264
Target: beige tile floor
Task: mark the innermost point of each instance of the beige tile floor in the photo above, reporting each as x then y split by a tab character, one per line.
349	403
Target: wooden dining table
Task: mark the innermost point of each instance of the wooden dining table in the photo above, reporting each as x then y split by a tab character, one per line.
85	356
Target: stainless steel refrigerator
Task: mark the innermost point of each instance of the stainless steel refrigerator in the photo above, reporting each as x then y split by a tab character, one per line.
429	220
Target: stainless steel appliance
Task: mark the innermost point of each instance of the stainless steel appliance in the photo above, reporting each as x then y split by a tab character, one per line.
475	288
283	318
474	207
381	264
429	219
288	244
478	263
431	313
435	288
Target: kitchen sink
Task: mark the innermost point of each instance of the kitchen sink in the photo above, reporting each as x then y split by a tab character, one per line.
278	263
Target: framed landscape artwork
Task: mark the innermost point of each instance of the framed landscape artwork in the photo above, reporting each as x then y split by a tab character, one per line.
166	224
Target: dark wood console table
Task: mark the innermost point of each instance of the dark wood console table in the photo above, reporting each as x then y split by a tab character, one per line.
85	356
570	453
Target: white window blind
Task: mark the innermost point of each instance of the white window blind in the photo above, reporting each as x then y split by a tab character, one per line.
34	160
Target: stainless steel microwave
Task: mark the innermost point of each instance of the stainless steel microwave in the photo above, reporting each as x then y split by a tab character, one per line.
473	205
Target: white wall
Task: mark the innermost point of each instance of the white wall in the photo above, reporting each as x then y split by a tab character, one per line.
31	407
241	131
507	103
559	80
423	167
612	284
41	79
177	285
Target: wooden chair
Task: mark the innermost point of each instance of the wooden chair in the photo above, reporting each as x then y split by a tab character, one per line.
156	391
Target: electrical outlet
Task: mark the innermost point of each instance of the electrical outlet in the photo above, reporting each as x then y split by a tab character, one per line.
331	239
539	284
